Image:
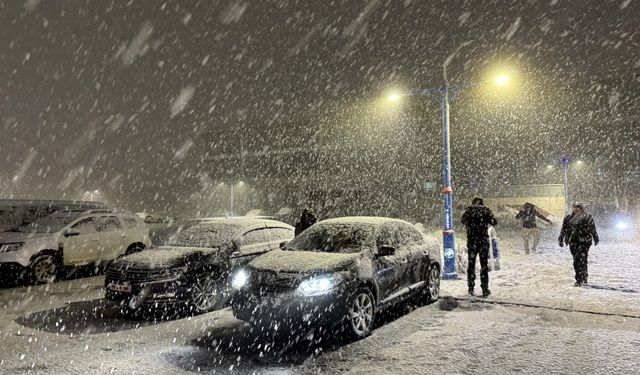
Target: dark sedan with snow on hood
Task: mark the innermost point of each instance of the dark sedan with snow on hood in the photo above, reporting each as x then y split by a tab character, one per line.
193	271
339	272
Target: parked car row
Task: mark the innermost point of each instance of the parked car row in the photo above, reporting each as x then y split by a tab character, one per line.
339	273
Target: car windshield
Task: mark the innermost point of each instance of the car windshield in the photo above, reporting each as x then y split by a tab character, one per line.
335	238
207	235
49	224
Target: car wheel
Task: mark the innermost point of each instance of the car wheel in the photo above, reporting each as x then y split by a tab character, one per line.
432	283
205	293
44	269
360	314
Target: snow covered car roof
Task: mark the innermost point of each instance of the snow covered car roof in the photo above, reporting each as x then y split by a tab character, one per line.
205	238
215	232
374	220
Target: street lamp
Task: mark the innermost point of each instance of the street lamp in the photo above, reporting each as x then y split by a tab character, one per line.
443	95
91	193
232	196
393	97
502	79
564	161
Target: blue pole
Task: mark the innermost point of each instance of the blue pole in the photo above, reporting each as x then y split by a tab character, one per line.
448	238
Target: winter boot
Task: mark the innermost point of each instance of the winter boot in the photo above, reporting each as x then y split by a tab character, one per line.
471	292
486	293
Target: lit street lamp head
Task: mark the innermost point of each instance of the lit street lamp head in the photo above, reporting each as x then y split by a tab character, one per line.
393	97
502	80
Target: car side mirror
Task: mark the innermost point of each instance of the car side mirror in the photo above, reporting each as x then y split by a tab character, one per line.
386	250
71	232
283	244
235	248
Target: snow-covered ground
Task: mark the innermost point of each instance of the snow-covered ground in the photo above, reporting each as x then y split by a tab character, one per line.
536	322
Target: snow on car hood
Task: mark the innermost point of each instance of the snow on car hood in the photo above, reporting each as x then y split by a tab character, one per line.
303	261
169	256
6	237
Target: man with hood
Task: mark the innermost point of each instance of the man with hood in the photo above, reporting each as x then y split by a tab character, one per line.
306	220
477	218
579	232
528	215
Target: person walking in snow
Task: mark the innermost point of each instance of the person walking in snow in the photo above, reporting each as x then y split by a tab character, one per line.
528	215
306	220
579	232
477	218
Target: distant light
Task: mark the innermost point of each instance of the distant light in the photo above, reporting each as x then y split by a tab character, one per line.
622	225
393	97
502	80
579	162
549	167
240	183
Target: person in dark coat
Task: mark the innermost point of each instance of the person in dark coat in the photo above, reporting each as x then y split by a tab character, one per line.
528	215
579	232
306	220
477	219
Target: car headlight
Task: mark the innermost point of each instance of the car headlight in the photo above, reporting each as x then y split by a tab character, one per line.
9	247
318	285
240	279
621	224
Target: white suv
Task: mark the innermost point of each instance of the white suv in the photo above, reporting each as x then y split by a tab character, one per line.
71	238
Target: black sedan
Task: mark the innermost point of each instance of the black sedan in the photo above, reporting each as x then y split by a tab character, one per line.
193	271
339	272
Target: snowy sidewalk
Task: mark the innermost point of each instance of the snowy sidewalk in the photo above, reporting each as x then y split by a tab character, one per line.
546	278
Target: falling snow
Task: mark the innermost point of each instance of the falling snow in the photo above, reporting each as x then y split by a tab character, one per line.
192	111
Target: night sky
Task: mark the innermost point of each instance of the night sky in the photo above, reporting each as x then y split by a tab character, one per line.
140	98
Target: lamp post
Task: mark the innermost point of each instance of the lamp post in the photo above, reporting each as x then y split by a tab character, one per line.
231	200
91	193
443	95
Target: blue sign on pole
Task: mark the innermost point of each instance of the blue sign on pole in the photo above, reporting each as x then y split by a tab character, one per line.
564	160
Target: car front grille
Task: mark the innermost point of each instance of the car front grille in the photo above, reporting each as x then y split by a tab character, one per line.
138	275
268	282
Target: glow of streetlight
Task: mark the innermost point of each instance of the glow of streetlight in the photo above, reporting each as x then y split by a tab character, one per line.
393	97
502	80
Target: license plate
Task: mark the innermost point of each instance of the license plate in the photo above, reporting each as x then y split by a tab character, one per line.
271	301
122	288
266	300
